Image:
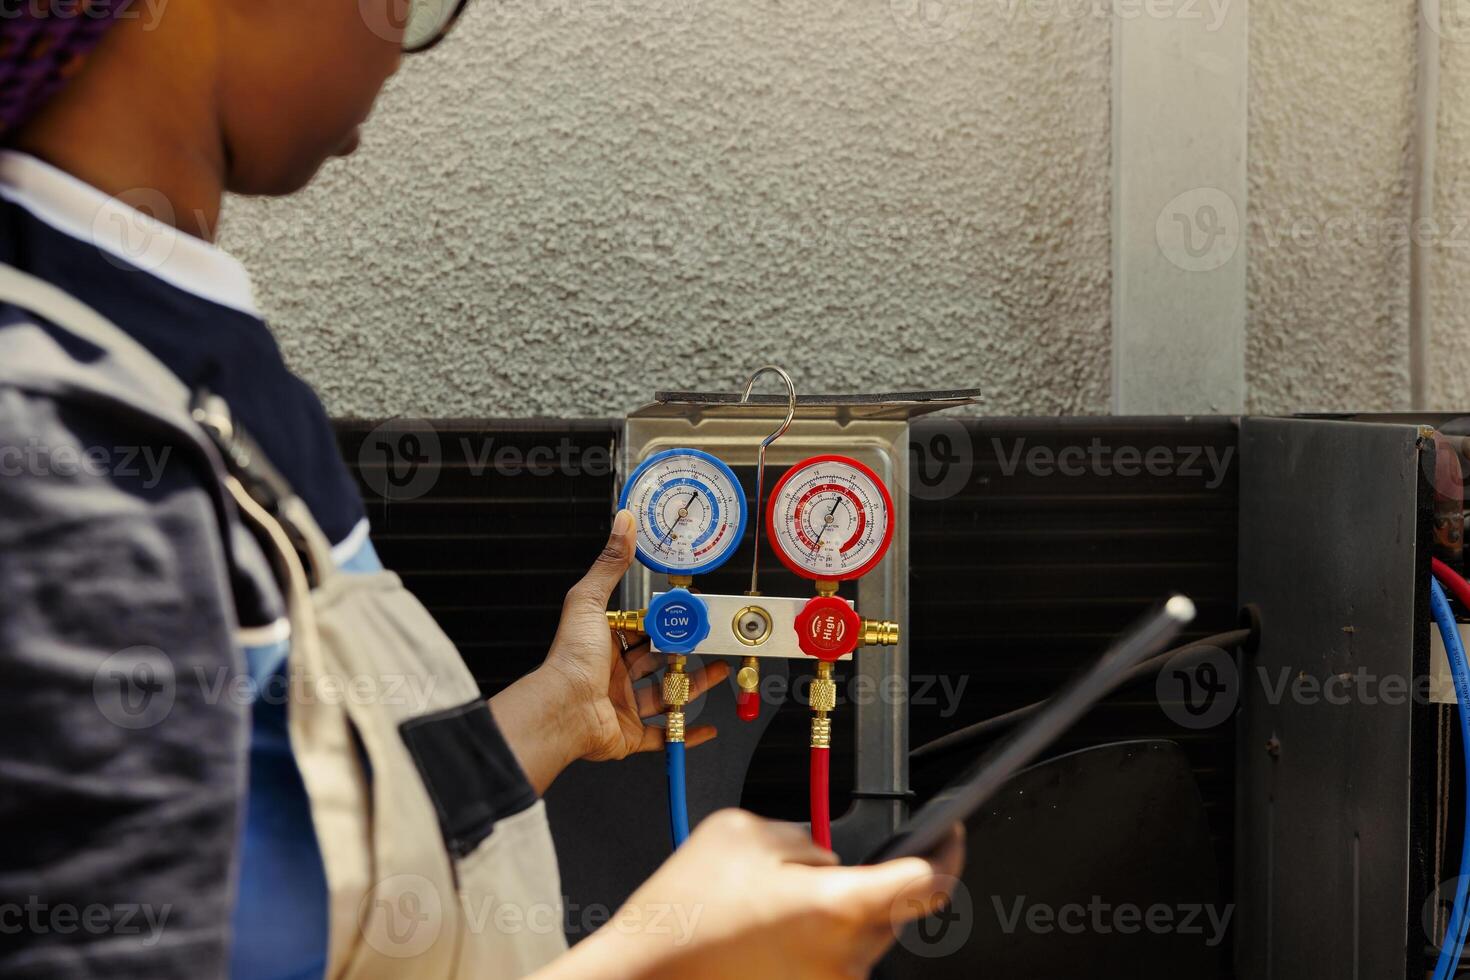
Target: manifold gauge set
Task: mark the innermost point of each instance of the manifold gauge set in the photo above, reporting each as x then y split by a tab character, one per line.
829	519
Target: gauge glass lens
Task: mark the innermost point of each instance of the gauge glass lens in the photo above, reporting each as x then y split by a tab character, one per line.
830	517
689	510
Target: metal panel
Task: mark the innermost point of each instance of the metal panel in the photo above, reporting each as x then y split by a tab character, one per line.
1330	868
878	436
1179	207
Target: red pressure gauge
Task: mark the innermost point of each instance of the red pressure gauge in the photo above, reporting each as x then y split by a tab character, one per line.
830	518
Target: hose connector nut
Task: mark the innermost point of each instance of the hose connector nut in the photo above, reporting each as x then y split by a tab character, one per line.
676	689
625	620
823	694
879	633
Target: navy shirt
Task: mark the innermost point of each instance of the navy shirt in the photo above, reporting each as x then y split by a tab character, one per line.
115	571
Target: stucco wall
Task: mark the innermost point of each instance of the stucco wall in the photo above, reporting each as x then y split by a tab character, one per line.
572	202
1330	121
1450	265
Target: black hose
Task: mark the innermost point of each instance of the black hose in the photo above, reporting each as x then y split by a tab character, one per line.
981	730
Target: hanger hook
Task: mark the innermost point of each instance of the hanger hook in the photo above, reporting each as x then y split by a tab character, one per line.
760	460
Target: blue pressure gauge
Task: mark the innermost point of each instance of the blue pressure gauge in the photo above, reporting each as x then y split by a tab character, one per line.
689	511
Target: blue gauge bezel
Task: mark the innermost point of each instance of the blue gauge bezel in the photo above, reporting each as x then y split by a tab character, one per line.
657	566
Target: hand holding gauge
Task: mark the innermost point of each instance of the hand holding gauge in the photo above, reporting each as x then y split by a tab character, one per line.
689	514
829	519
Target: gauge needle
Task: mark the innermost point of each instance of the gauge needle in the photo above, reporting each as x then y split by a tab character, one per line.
826	524
683	513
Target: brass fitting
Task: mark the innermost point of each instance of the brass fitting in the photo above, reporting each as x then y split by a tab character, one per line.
748	677
823	697
879	633
626	620
676	695
826	587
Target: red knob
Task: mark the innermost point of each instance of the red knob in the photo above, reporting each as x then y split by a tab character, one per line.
748	705
827	628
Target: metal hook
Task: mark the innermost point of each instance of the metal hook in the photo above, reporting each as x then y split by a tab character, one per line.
760	460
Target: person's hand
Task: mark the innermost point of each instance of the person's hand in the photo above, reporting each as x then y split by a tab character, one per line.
600	674
581	703
747	897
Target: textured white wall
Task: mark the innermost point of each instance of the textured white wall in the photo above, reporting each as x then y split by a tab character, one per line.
1331	111
1450	262
573	202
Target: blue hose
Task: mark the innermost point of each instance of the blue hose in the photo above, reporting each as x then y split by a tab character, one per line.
1454	942
678	805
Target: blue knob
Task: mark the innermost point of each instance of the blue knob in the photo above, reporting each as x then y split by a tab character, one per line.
677	621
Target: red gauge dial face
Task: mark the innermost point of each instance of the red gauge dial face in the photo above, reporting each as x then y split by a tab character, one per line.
830	517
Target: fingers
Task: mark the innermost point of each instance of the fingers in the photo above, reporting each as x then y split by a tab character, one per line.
896	891
641	660
650	697
607	571
950	858
652	738
707	677
793	843
700	734
786	842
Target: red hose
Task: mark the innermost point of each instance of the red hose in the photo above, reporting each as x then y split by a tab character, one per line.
821	815
1451	580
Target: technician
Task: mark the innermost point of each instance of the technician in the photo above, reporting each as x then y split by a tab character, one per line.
172	834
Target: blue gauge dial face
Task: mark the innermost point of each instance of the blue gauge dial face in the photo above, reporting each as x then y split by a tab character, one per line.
689	511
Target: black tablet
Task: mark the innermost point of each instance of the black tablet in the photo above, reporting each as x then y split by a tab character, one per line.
929	828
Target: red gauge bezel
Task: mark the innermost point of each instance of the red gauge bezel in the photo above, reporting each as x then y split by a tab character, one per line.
771	518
